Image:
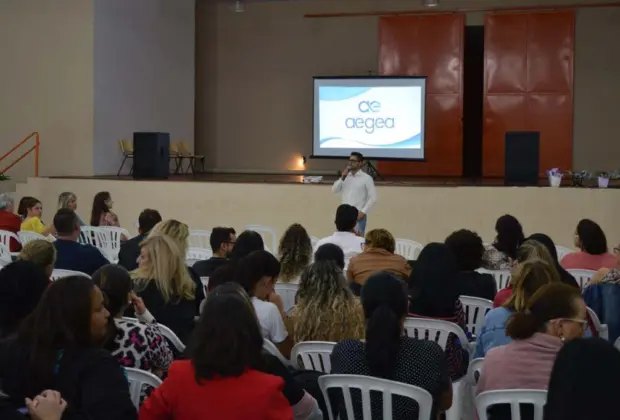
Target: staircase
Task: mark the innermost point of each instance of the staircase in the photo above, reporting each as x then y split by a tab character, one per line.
10	159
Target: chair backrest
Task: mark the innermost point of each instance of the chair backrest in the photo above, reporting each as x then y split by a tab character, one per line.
366	384
26	236
5	255
313	355
287	292
126	146
269	234
197	254
6	236
514	397
435	330
199	238
271	348
583	277
408	248
474	370
137	378
562	251
58	274
502	277
174	148
109	239
602	329
475	309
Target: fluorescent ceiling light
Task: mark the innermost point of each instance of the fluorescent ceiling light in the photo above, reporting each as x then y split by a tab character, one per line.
430	3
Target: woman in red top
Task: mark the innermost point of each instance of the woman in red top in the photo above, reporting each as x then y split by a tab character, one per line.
222	379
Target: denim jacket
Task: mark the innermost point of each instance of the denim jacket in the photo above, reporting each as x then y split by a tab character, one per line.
604	299
493	333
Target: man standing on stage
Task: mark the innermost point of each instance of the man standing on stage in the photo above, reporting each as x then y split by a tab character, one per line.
357	189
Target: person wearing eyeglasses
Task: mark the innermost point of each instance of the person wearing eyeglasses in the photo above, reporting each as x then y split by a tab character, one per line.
357	189
556	313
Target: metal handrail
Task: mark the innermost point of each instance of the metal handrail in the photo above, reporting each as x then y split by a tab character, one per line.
34	148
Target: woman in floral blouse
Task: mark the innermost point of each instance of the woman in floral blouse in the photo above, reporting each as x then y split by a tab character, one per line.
503	252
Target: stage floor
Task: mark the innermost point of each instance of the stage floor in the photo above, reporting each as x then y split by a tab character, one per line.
405	181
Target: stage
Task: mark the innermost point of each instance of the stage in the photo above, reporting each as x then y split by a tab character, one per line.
422	209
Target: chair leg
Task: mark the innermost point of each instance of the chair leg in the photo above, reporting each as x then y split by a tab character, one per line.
121	168
190	166
131	170
202	164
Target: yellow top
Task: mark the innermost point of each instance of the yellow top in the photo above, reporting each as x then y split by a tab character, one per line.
33	224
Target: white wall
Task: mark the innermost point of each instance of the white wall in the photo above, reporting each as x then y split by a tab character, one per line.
144	73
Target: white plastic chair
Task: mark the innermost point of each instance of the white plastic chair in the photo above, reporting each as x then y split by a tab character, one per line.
602	329
475	309
26	236
194	255
502	277
271	348
583	277
106	238
408	249
199	238
514	397
287	292
313	241
269	234
5	239
137	378
366	384
58	274
563	251
5	255
439	331
313	355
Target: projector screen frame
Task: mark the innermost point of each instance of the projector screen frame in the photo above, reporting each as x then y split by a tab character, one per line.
341	77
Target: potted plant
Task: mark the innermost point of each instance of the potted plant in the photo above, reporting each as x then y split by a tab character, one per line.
603	179
579	177
4	177
555	177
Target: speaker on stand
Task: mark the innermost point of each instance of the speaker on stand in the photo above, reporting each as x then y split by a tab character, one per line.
151	155
522	154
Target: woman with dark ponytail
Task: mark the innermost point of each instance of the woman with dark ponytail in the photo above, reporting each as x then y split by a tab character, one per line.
556	313
387	353
138	343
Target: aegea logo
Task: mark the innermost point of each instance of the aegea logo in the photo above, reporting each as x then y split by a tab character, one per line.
368	122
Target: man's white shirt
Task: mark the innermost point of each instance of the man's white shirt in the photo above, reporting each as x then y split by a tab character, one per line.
350	243
357	190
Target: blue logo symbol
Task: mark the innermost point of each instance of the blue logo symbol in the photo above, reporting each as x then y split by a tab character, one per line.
368	122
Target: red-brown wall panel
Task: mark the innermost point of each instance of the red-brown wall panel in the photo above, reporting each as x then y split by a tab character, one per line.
529	88
429	46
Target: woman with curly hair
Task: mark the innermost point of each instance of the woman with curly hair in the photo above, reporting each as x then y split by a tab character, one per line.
326	309
295	253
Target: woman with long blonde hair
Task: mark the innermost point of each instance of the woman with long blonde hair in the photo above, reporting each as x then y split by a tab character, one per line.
68	200
295	253
527	278
164	284
326	309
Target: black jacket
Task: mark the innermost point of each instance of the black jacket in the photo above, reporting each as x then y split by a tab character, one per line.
129	252
91	381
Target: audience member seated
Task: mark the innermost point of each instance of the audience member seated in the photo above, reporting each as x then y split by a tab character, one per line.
21	207
468	249
222	241
32	221
330	252
55	348
130	249
163	282
345	236
387	353
529	250
71	255
248	242
378	255
223	379
101	214
592	244
40	252
22	284
68	200
435	292
584	382
501	254
547	242
257	274
326	309
527	278
295	252
556	313
135	344
179	233
304	406
9	221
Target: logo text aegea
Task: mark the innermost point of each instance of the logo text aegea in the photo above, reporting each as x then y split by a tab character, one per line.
366	121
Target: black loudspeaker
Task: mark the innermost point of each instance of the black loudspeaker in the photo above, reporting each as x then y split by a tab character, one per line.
151	155
522	158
